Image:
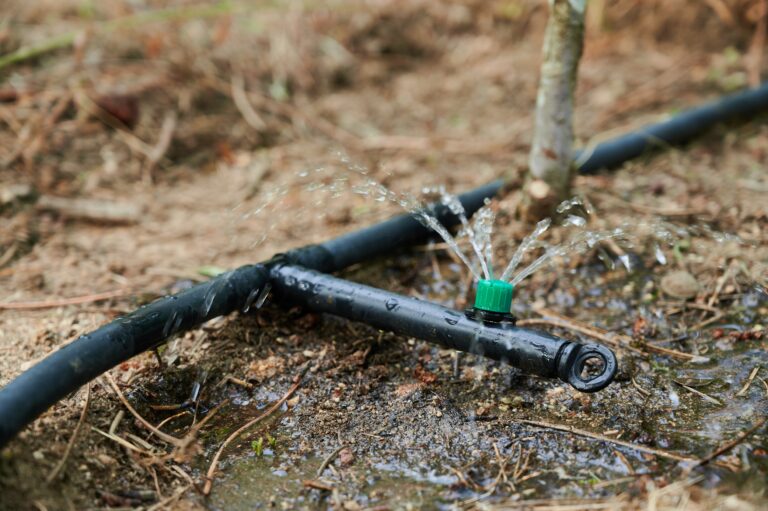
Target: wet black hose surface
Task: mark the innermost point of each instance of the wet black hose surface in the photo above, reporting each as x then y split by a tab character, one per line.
533	351
66	370
679	129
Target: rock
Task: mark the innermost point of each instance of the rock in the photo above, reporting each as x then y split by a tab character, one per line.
680	284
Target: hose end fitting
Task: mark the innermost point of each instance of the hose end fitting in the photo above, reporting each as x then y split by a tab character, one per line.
493	302
573	359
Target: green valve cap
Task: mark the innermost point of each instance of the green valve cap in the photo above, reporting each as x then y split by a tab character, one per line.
494	296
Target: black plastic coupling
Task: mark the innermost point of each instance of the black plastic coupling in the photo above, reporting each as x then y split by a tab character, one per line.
490	318
532	351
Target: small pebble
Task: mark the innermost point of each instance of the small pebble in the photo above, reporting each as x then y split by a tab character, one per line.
680	284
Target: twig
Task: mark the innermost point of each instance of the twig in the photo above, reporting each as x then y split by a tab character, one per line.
28	145
60	465
719	286
751	378
733	443
699	393
618	340
317	485
49	304
572	325
125	443
765	384
602	438
714	319
94	210
214	464
242	103
614	482
625	461
640	389
163	143
162	504
177	442
755	53
328	459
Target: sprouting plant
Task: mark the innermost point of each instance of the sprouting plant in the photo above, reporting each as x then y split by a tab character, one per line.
258	446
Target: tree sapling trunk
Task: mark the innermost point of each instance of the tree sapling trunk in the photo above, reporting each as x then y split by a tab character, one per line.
550	159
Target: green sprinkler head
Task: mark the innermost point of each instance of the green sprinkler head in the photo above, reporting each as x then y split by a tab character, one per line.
493	302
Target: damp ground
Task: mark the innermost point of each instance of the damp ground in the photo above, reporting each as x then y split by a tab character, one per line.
421	98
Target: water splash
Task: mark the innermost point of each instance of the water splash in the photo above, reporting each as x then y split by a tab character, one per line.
472	245
457	208
482	223
380	193
525	246
579	244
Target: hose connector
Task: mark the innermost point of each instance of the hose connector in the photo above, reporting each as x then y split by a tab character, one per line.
572	363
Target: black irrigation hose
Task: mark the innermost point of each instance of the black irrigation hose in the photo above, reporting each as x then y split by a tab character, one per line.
679	129
532	351
66	370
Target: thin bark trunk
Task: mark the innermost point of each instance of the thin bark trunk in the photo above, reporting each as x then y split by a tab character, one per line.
550	160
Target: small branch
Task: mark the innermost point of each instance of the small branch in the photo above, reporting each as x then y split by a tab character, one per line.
163	143
328	459
618	340
748	384
93	210
214	464
60	465
163	436
733	443
49	304
595	436
242	103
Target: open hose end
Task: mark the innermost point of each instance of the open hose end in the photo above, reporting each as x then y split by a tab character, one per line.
587	367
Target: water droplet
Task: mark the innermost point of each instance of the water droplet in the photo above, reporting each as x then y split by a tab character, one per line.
208	300
569	204
628	261
262	296
172	324
250	299
574	220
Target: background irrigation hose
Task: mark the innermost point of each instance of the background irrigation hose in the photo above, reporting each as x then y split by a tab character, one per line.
679	129
66	370
532	351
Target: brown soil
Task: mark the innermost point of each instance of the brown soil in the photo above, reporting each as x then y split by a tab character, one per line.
144	118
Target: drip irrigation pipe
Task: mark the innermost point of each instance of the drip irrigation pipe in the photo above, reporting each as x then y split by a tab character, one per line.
64	371
677	130
532	351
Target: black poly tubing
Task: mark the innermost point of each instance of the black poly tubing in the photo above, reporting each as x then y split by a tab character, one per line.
66	370
533	351
679	129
